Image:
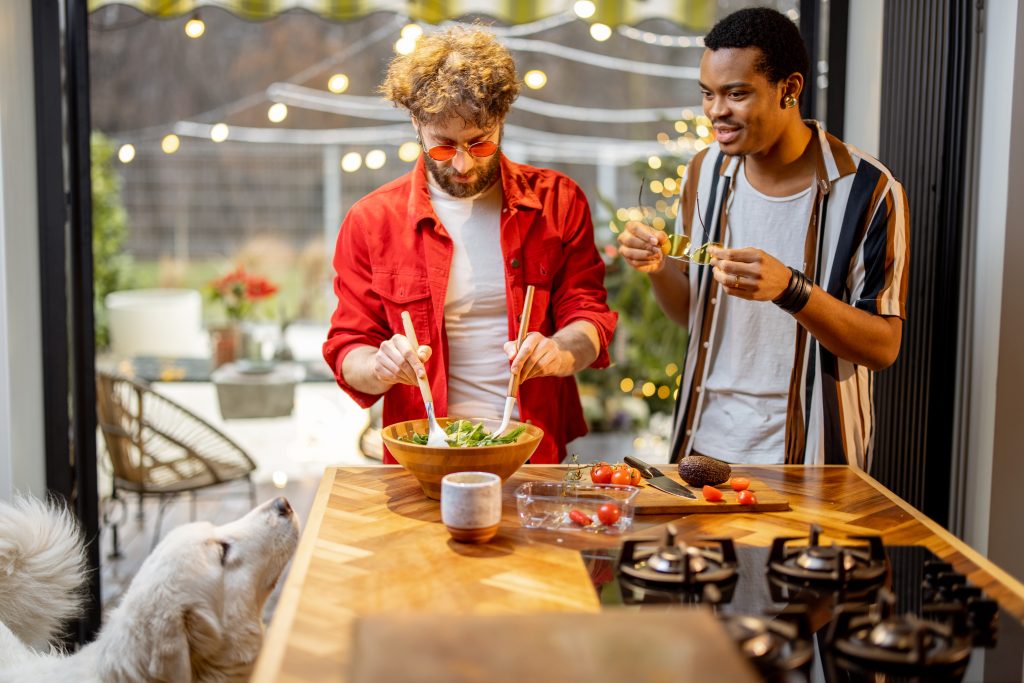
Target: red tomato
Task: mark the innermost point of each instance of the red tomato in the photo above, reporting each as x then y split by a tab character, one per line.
747	498
712	495
739	483
622	476
634	476
609	513
601	473
579	517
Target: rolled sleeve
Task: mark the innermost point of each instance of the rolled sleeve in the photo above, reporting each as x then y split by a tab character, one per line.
359	318
885	253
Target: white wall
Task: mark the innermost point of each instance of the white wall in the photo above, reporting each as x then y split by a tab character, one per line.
21	385
996	436
863	112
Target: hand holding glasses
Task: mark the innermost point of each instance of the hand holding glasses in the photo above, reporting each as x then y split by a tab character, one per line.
679	247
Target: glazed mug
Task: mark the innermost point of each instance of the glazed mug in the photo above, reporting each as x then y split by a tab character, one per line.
471	505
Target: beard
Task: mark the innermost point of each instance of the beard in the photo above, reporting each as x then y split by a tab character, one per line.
486	171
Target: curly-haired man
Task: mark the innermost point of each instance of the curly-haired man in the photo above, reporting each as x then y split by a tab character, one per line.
812	225
455	242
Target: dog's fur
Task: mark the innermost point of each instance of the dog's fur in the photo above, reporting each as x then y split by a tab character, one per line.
192	613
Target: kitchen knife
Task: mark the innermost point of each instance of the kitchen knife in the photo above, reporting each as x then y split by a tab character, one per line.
658	480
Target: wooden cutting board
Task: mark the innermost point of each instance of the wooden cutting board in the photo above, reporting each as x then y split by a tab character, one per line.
613	645
651	501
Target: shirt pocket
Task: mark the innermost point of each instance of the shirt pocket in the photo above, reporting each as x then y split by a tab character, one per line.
543	263
404	291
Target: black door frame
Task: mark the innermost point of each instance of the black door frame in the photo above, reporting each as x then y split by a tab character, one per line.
64	192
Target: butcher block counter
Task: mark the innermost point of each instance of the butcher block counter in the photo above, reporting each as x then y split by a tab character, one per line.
373	544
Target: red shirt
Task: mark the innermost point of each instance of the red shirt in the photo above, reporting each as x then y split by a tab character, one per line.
393	254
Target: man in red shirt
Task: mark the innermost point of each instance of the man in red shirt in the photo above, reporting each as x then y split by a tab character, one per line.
455	242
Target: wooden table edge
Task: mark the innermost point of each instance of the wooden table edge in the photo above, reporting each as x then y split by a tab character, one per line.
983	563
275	640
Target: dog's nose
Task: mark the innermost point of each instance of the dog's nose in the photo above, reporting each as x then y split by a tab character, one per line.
283	507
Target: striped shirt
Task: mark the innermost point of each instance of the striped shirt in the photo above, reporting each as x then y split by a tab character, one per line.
856	249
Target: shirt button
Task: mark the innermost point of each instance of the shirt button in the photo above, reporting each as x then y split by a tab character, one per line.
515	263
700	389
714	301
705	345
505	210
689	432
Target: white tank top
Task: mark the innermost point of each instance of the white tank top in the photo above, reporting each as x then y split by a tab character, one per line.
475	309
746	393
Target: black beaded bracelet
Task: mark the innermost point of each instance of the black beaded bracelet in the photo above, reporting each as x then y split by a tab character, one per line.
797	292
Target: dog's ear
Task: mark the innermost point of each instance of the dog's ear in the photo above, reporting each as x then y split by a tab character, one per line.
169	659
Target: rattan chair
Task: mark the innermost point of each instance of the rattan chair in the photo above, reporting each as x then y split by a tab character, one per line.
160	448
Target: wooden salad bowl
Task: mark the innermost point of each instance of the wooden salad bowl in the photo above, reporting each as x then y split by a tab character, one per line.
429	464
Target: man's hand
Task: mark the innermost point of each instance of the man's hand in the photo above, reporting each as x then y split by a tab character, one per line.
641	247
396	363
540	356
750	273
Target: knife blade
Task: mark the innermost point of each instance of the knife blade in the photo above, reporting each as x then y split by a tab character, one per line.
658	480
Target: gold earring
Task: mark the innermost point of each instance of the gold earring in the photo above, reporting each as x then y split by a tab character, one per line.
790	101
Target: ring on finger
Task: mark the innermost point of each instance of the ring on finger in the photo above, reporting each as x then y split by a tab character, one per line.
736	281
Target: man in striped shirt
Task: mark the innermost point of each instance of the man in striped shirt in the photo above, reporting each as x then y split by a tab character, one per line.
806	300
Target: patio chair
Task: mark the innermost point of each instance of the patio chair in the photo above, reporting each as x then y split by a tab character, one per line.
160	448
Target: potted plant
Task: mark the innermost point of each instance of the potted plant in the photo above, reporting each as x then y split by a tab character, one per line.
238	292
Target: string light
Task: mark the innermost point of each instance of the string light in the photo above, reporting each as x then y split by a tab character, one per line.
663	392
404	46
584	9
194	27
681	126
660	38
409	151
278	112
376	158
412	32
126	153
656	187
648	389
626	385
338	83
280	479
600	32
535	79
170	143
219	132
671	369
654	162
351	162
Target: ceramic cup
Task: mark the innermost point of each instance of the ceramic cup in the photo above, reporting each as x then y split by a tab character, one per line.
471	505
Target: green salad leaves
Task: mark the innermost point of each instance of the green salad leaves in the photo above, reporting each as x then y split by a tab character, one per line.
465	434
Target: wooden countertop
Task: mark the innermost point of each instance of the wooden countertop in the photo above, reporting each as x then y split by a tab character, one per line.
373	544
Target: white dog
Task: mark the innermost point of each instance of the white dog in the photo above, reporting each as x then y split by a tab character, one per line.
192	613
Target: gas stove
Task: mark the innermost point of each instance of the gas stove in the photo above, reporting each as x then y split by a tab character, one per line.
806	611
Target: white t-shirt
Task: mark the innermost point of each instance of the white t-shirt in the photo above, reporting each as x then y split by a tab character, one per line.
747	389
475	309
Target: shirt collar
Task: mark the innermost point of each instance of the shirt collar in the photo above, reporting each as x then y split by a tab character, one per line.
516	192
832	159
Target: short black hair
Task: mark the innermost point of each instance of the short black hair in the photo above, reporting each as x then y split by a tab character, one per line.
782	48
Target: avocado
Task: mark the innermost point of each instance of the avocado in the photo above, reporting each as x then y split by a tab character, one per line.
700	470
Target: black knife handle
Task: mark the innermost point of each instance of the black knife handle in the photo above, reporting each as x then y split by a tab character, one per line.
646	471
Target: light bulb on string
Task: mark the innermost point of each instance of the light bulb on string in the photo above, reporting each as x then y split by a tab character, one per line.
194	27
600	32
584	9
338	83
219	132
278	112
409	151
126	153
535	79
351	162
170	143
375	159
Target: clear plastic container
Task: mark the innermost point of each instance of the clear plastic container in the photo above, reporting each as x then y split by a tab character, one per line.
561	506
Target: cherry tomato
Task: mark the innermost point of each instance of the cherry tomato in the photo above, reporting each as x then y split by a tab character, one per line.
739	483
634	476
579	517
608	513
712	495
601	473
622	476
747	498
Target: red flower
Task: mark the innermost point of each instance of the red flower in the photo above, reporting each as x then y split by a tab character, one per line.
237	290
